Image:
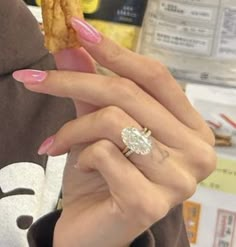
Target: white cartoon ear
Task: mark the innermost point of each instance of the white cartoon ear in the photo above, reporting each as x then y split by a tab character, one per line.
53	183
28	192
15	179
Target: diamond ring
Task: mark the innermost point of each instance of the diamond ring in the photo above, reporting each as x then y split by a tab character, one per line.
136	141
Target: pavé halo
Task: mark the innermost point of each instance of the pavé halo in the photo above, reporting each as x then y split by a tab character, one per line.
136	141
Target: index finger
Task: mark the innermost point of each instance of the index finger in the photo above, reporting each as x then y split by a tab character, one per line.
149	74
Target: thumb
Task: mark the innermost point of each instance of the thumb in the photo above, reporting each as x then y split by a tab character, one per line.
74	59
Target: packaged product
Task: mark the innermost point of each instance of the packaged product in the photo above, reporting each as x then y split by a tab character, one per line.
120	20
196	39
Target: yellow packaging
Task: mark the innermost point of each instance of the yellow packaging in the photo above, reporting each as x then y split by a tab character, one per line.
118	19
192	212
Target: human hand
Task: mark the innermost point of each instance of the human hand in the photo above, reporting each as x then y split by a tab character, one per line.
110	199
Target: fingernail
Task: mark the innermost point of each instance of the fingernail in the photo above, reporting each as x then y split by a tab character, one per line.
46	146
29	76
86	31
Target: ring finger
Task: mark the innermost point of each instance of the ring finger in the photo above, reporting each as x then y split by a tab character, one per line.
108	124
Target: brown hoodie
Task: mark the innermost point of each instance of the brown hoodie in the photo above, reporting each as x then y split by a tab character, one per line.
30	184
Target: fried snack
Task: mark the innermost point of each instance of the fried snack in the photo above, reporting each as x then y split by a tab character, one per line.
222	139
57	14
223	143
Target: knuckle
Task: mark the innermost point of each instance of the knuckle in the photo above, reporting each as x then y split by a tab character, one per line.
112	56
181	188
148	211
207	160
188	187
207	134
101	152
129	89
111	116
158	72
210	137
202	157
124	89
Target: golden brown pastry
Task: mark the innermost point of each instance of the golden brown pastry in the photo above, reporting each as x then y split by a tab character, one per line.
57	14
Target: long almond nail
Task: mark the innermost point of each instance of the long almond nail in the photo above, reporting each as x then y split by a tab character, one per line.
86	31
46	146
30	76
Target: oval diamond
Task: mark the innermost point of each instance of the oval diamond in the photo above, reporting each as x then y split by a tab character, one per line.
136	140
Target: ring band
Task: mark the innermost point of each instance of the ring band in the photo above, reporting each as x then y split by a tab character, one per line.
136	141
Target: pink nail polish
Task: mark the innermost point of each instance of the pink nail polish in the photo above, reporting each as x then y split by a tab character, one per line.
30	76
46	146
86	31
